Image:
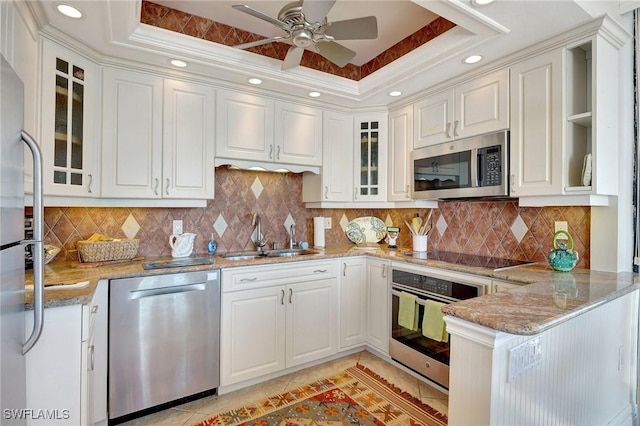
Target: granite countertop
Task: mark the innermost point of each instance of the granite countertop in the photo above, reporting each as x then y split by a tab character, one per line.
545	299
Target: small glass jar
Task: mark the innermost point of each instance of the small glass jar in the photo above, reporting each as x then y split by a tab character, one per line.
212	246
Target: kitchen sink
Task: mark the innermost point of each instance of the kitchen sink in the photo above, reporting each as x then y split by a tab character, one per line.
248	255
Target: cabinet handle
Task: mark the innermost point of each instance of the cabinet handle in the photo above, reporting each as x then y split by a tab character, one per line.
155	186
384	271
447	131
290	294
90	182
94	309
407	191
278	152
319	271
282	299
513	184
270	152
248	280
91	357
326	192
355	193
166	190
455	128
344	269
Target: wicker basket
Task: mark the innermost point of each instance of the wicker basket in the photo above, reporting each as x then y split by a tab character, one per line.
103	251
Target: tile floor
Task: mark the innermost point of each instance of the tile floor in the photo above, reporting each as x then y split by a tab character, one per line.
204	408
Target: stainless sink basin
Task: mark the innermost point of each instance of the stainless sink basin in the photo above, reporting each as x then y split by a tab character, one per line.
249	255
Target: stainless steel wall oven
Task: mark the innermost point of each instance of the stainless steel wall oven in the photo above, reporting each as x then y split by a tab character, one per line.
424	355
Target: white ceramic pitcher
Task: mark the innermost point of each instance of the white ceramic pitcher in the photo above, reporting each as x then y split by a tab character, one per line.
182	245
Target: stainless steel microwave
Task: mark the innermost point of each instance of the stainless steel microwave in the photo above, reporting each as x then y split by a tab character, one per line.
464	168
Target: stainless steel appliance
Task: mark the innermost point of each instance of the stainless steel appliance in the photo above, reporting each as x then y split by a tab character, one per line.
12	253
164	334
428	357
465	168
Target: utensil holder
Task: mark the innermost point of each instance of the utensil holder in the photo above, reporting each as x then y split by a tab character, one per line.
419	243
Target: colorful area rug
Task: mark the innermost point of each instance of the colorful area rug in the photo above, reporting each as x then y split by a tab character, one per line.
356	396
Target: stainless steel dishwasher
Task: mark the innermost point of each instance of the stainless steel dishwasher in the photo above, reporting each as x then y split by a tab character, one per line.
164	341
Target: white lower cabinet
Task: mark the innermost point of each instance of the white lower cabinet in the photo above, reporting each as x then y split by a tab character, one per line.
66	369
378	304
275	317
353	302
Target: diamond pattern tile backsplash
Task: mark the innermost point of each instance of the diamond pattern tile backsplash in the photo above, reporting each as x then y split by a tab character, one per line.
501	229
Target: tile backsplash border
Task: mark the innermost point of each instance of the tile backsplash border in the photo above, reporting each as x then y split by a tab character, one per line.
501	228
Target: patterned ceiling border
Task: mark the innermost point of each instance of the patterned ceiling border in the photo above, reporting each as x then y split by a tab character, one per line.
206	29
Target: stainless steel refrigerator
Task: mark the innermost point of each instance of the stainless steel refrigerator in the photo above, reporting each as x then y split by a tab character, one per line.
12	313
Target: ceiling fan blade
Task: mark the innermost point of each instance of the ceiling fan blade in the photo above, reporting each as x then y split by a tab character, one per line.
353	29
259	42
335	52
254	12
293	58
316	10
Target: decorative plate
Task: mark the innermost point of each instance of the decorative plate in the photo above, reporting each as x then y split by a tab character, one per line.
368	229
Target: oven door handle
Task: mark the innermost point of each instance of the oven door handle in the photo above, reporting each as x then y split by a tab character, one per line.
420	301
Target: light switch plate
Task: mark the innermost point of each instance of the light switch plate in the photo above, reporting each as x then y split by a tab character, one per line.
327	223
561	226
177	227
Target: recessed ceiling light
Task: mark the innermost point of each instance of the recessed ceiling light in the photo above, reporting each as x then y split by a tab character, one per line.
69	11
255	81
472	59
481	2
395	93
178	63
314	94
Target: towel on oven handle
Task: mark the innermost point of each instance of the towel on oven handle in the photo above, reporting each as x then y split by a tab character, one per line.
408	311
433	325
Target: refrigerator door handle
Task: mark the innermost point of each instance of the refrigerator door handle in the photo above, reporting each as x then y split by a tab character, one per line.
38	245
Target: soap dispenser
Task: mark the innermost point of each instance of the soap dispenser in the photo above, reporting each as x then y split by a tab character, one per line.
212	246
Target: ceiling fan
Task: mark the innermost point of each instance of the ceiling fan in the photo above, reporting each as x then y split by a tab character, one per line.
305	23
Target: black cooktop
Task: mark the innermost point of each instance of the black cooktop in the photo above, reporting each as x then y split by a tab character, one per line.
494	263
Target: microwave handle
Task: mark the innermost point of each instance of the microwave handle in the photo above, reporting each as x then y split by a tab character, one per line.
475	169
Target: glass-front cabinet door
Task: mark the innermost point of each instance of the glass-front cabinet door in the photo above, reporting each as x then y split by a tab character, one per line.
371	158
67	122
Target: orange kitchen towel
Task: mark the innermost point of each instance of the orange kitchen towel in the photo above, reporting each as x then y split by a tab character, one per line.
408	311
433	325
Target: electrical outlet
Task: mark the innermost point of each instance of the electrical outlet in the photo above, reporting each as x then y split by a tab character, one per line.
561	226
177	227
327	223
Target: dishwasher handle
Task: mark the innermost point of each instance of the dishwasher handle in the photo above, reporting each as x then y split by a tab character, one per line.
139	294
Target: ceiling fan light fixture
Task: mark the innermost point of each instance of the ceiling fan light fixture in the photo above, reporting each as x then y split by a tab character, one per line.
315	94
255	81
395	93
473	59
70	11
178	63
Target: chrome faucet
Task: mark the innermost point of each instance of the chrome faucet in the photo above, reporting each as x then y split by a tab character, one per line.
259	241
292	240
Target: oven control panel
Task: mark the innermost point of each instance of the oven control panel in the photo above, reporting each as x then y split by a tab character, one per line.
428	284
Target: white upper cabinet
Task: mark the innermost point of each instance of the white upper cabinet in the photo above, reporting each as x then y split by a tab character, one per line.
370	158
188	141
400	147
144	156
67	135
244	127
255	129
298	134
565	122
536	127
472	108
335	182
